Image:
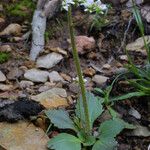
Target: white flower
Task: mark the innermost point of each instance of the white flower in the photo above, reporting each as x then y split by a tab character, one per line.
77	79
86	3
98	3
66	3
101	5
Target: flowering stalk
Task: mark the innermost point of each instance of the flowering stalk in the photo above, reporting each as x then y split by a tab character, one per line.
79	72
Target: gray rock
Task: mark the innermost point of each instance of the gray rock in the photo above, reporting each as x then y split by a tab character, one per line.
26	84
145	12
99	79
55	77
74	87
49	61
123	57
141	131
2	77
44	88
135	113
36	75
120	70
137	2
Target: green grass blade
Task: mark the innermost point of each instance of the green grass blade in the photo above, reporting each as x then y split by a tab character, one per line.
127	96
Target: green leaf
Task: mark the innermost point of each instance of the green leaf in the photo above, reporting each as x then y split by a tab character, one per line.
100	91
109	88
90	140
60	118
127	96
94	107
87	140
112	112
140	87
105	144
64	141
111	128
138	18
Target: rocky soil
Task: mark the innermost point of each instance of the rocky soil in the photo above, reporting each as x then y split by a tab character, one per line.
52	81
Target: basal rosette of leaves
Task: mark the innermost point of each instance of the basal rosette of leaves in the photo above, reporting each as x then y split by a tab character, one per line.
107	131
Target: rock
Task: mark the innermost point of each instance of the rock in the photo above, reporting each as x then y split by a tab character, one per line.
26	84
49	61
2	77
106	66
123	58
141	131
133	112
56	49
28	64
4	87
9	94
66	77
55	77
138	45
22	136
123	146
137	2
52	98
12	29
5	48
89	71
47	86
84	44
74	87
99	79
145	12
17	39
44	88
36	75
14	73
50	84
120	70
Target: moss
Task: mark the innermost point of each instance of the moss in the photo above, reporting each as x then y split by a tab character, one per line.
21	8
50	33
4	56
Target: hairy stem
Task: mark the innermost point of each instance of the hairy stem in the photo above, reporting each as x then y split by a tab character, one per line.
79	72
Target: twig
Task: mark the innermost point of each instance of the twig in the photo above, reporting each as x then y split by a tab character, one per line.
125	35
